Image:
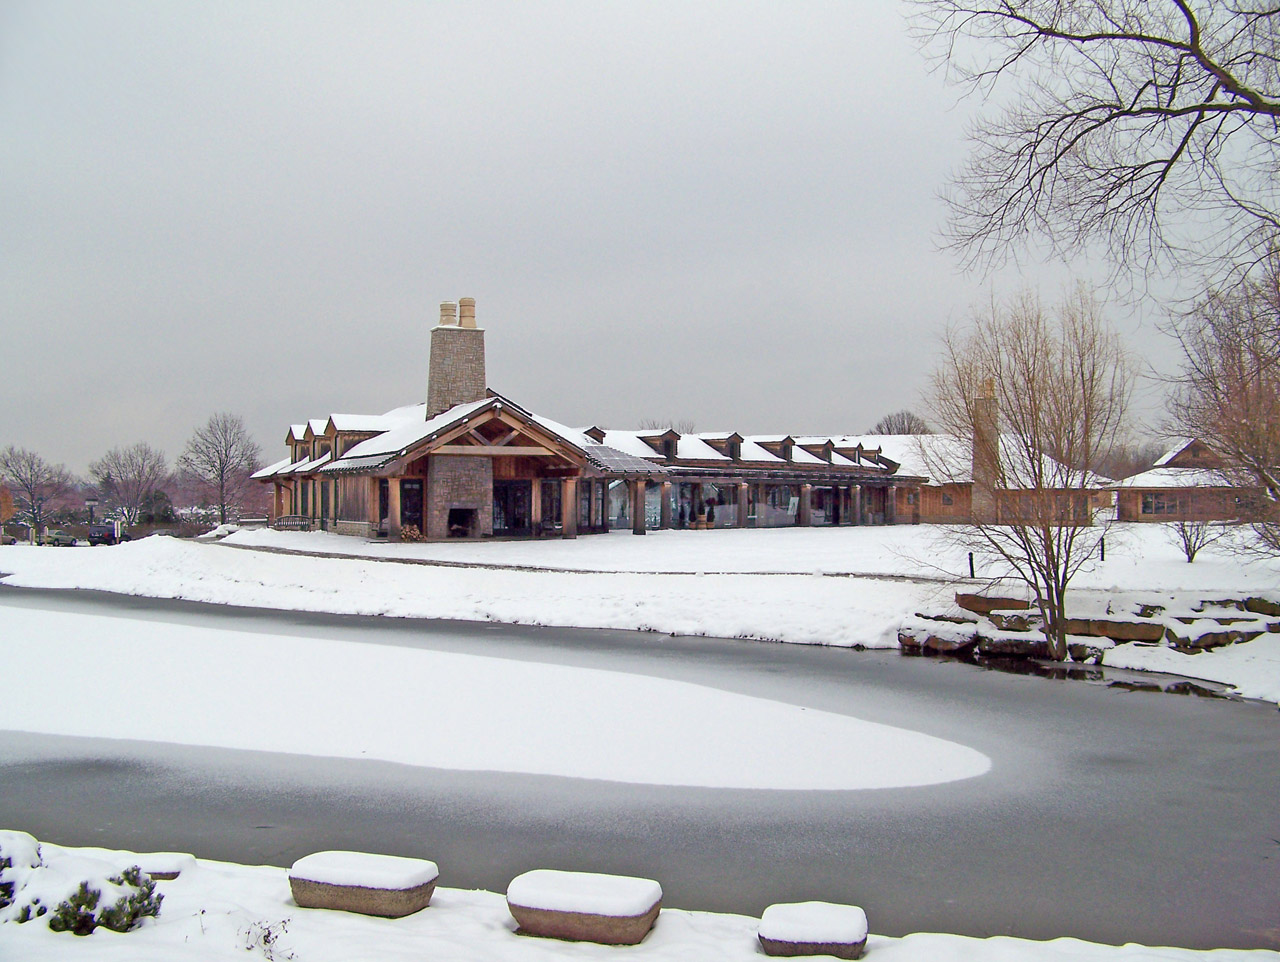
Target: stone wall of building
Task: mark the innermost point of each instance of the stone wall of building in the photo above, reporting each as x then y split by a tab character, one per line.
458	482
360	529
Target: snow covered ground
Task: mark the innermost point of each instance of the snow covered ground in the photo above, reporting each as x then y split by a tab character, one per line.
218	911
312	696
842	586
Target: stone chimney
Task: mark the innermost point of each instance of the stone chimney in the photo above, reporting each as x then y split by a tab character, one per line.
455	373
986	454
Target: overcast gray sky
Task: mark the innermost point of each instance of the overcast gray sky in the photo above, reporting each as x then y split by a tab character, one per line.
719	211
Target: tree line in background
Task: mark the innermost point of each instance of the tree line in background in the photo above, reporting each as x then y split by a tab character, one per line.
137	485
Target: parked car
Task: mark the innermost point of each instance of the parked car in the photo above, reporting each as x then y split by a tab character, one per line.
59	538
7	538
107	532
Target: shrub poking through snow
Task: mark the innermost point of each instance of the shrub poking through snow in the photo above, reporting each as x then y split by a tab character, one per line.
76	894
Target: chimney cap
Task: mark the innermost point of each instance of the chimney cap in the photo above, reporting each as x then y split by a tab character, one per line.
467	311
448	314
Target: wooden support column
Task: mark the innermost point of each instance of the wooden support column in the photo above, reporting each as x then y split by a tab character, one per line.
277	503
637	506
743	500
665	522
371	513
805	516
891	504
393	509
857	504
569	507
535	507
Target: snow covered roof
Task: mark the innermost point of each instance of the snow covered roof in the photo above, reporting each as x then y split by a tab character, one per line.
271	469
752	451
629	442
1176	478
948	459
364	423
407	433
716	435
306	467
1181	445
619	462
921	455
693	448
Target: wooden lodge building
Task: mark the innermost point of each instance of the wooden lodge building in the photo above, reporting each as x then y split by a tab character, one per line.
1187	483
472	463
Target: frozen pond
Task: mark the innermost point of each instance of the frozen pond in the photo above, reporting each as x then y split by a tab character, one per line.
1108	814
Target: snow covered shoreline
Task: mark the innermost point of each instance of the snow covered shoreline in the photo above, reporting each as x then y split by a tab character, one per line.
768	585
216	911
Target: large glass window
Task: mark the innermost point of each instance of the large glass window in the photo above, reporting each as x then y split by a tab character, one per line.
551	506
511	507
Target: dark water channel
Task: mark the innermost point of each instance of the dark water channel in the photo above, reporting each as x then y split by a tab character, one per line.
1109	814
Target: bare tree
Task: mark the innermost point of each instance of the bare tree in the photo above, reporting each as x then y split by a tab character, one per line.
128	477
1228	394
681	426
39	488
1126	460
222	455
1192	536
901	422
1036	399
1151	127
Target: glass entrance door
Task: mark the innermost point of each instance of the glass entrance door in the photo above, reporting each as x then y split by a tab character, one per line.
511	507
411	503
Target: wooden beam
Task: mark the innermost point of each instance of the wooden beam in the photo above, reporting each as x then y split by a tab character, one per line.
508	438
493	449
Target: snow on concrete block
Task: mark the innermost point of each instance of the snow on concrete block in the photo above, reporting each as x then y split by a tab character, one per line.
384	885
985	604
936	635
813	928
584	906
165	866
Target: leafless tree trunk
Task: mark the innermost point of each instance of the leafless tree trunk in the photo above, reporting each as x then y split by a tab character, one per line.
222	455
1147	126
38	486
1228	394
901	422
127	477
1036	401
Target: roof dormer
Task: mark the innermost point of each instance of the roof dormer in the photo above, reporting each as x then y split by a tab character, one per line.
663	443
821	450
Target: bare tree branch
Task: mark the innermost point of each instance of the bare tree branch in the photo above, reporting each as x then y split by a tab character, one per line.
901	422
1149	127
128	477
39	488
222	455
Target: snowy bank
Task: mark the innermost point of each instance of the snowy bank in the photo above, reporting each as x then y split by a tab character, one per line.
219	912
800	608
828	586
